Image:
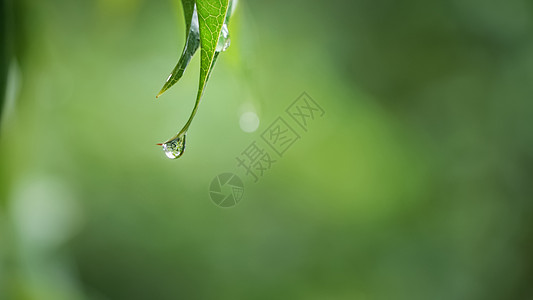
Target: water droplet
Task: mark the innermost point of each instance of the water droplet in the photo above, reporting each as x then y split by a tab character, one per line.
175	147
224	40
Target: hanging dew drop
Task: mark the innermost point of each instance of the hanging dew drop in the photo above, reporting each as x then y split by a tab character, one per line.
223	40
175	147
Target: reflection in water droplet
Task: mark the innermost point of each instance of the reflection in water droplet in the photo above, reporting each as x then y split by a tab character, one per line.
175	147
223	40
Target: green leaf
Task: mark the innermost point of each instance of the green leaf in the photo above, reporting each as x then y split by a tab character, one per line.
192	42
209	17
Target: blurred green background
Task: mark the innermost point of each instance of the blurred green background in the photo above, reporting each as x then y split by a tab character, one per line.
416	183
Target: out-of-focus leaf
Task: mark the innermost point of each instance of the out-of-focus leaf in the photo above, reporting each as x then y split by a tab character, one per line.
4	52
192	42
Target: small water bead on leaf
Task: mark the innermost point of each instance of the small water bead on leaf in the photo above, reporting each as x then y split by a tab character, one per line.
175	147
223	40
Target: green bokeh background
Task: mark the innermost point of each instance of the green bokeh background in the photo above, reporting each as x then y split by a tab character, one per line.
415	184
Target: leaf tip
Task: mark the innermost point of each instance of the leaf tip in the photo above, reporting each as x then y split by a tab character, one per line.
160	92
